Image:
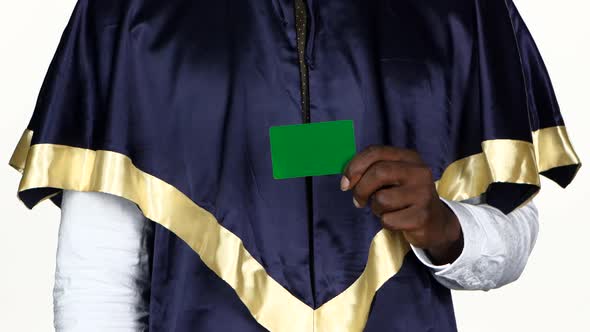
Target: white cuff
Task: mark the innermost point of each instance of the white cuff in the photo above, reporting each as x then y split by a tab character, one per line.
496	247
469	228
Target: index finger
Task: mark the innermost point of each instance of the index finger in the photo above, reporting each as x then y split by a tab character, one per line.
364	159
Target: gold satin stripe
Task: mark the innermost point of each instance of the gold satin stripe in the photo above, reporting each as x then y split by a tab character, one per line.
465	178
502	161
19	156
553	148
350	309
64	167
70	168
511	161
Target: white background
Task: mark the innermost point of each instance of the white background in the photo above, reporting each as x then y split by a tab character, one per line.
552	295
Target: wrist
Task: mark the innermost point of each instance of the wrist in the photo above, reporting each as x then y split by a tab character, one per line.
451	247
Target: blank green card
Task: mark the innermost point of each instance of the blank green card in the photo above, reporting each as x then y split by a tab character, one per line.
313	149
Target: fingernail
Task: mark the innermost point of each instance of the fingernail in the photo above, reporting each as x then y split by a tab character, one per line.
355	203
344	183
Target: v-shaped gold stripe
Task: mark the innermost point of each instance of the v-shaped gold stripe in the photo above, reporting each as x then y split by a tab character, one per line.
70	168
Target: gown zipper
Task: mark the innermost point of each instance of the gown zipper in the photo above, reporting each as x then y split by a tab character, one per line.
301	27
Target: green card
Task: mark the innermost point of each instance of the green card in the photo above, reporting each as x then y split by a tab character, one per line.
312	149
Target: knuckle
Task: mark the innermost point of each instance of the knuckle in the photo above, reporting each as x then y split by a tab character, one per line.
402	168
381	170
352	168
411	154
381	198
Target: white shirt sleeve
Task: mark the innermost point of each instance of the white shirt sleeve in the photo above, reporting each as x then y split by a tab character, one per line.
496	247
102	270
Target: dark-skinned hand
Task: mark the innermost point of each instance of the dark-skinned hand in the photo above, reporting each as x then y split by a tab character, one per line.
400	190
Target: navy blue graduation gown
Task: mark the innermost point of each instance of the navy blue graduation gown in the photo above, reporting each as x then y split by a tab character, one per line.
169	104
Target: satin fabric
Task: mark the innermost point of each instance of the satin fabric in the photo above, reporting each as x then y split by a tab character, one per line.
187	90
